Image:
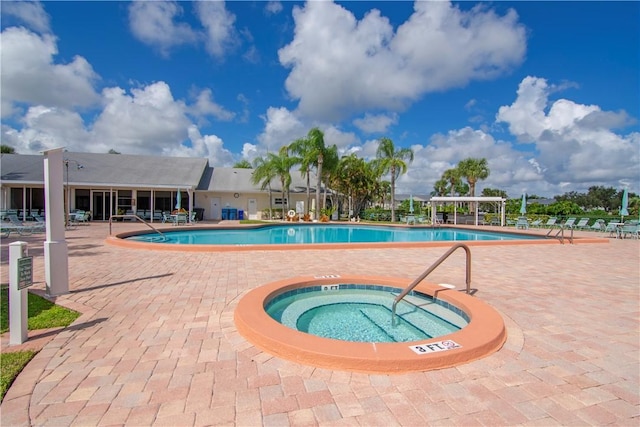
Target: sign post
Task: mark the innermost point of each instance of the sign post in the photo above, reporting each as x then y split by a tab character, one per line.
20	278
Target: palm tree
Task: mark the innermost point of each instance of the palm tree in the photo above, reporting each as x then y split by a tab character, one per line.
311	152
281	164
7	149
452	177
392	161
316	142
262	174
243	164
473	170
303	155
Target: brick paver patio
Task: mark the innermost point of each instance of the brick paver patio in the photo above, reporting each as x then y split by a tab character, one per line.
157	345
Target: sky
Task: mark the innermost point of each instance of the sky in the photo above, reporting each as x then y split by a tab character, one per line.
547	92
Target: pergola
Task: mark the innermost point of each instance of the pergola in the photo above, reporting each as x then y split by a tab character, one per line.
476	200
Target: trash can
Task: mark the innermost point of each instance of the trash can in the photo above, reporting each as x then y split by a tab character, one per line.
225	214
240	214
199	214
233	214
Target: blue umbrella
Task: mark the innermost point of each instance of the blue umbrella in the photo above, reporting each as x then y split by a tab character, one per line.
178	200
523	205
411	203
625	205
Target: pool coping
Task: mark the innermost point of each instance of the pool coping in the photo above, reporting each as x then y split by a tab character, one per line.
485	334
119	240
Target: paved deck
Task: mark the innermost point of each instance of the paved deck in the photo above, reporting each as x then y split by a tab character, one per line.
156	344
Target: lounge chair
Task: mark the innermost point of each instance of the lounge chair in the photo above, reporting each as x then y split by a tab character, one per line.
15	225
537	223
522	223
551	222
193	217
582	224
569	223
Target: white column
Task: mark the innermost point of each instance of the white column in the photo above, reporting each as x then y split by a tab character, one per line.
56	261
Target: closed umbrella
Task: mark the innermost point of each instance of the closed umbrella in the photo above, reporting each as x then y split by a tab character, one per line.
523	205
178	200
624	207
411	203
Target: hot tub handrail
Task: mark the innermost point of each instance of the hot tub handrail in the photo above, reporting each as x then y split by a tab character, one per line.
135	217
429	271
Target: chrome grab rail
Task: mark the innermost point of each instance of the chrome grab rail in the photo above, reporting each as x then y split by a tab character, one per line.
560	233
429	271
135	217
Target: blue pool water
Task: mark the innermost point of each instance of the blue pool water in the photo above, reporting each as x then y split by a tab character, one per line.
312	233
362	313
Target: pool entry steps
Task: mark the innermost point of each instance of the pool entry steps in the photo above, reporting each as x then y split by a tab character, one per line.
429	271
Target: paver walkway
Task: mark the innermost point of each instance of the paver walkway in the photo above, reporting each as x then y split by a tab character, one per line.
156	344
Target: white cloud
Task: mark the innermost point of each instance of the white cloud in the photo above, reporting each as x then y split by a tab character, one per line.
345	70
154	23
273	7
30	74
45	128
30	13
221	35
281	127
148	118
574	142
372	123
206	106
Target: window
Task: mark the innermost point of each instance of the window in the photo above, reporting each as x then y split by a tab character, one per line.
124	200
278	201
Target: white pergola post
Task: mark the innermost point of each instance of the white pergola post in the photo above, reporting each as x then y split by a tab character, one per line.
56	260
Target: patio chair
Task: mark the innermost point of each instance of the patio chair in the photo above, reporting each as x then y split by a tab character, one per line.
180	218
569	223
612	228
599	225
631	229
522	223
551	222
193	217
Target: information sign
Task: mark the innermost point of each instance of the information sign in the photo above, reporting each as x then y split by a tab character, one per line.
25	272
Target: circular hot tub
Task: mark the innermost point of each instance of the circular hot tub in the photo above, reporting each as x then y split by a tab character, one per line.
478	330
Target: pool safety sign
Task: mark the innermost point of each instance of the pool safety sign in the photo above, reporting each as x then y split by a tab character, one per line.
434	347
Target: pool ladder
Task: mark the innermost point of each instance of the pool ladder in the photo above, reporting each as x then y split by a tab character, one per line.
133	216
429	271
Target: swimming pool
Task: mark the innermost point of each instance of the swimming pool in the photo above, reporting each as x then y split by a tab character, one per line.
321	234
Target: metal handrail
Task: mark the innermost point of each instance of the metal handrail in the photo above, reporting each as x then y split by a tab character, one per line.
135	217
429	271
561	234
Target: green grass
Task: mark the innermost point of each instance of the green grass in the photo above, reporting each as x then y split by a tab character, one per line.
41	314
11	364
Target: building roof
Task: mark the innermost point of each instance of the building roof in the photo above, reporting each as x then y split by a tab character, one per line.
238	180
117	170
